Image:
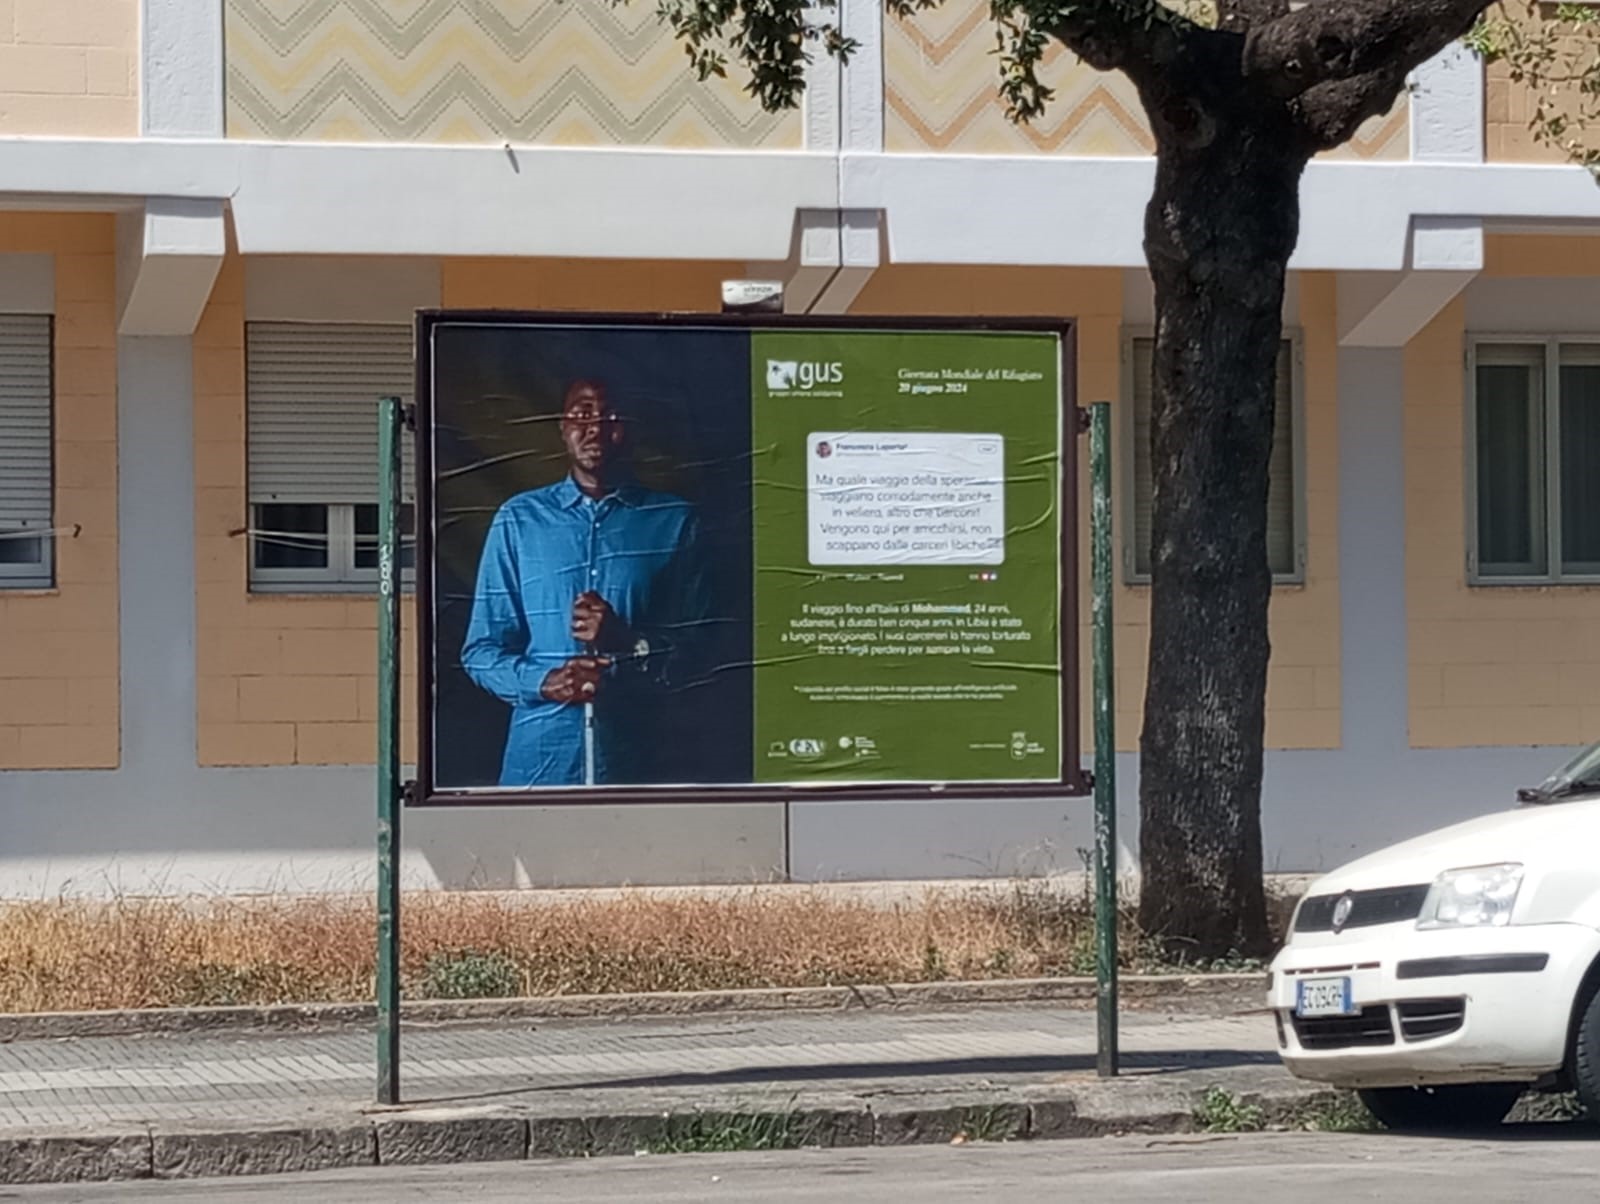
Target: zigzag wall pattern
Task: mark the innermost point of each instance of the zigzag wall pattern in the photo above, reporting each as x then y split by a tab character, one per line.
941	94
554	72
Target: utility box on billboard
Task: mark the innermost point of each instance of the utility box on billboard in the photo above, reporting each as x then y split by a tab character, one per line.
703	558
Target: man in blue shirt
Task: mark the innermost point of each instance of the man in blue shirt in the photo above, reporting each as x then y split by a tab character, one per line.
589	607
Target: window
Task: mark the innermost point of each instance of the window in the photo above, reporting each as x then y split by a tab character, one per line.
312	393
1535	422
1285	523
27	541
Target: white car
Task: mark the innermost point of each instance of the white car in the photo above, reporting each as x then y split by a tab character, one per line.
1443	976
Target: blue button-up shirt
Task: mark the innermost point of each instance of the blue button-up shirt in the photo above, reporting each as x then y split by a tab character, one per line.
636	549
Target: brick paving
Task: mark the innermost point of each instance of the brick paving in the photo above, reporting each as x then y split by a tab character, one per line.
605	1066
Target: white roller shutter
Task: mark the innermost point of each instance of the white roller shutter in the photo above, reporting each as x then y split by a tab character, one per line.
312	393
25	422
1282	536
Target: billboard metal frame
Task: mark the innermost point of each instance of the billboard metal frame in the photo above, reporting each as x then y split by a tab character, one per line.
1072	781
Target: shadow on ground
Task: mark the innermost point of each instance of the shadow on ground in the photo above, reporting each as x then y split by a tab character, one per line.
1140	1064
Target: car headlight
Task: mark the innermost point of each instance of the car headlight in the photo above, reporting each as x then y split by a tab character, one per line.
1478	896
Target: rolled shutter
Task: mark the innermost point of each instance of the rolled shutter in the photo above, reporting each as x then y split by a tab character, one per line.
312	393
25	422
1281	527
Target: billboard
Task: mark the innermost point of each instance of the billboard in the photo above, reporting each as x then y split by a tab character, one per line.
743	558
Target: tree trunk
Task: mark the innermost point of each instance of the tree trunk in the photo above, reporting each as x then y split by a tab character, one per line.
1218	234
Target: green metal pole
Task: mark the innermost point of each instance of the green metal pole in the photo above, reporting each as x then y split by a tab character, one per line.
391	423
1105	742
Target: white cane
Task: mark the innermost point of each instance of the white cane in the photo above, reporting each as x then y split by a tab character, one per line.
588	735
588	707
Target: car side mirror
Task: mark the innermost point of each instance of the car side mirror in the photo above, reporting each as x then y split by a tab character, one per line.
1527	794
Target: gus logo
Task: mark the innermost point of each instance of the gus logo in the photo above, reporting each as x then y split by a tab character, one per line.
784	375
806	750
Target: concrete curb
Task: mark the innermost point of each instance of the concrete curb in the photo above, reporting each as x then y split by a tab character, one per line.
164	1151
1237	991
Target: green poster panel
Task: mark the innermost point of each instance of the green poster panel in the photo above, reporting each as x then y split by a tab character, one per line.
907	538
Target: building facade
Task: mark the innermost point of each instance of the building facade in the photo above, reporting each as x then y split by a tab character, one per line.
218	216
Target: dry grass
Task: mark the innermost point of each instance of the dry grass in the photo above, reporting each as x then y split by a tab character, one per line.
67	955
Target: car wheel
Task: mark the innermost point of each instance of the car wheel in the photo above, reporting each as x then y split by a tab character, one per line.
1586	1057
1432	1109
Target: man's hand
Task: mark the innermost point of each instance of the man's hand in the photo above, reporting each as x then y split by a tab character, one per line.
595	624
576	681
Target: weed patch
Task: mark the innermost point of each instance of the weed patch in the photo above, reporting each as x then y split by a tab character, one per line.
465	974
711	1133
1224	1112
1343	1113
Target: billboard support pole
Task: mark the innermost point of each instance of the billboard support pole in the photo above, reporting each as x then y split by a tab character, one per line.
1105	742
391	421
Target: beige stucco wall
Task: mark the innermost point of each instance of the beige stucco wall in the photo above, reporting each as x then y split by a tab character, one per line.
281	679
1553	256
1303	683
1508	107
601	285
69	67
59	648
1488	665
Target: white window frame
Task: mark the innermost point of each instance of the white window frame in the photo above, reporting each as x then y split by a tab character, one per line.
1552	344
35	574
38	574
1131	575
341	574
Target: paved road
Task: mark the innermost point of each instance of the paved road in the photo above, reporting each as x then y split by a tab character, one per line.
1555	1163
610	1065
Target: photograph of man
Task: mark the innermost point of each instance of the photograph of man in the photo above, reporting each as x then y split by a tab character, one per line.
589	612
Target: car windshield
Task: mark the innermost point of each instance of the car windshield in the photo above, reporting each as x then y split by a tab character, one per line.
1581	775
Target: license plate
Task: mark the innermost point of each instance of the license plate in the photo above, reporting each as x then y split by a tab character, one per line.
1323	997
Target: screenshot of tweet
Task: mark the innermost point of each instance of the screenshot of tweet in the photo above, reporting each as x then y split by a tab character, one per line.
895	498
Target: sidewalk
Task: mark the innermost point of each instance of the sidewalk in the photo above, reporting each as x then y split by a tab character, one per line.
198	1104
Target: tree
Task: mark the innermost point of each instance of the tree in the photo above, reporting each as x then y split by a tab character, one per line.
1239	94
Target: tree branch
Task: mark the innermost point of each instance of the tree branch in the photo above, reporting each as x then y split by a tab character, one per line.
1330	40
1135	36
1331	112
1236	16
1127	35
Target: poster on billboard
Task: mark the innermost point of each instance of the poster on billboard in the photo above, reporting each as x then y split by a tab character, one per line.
740	558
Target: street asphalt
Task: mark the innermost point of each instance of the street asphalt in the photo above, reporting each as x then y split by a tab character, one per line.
1528	1163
